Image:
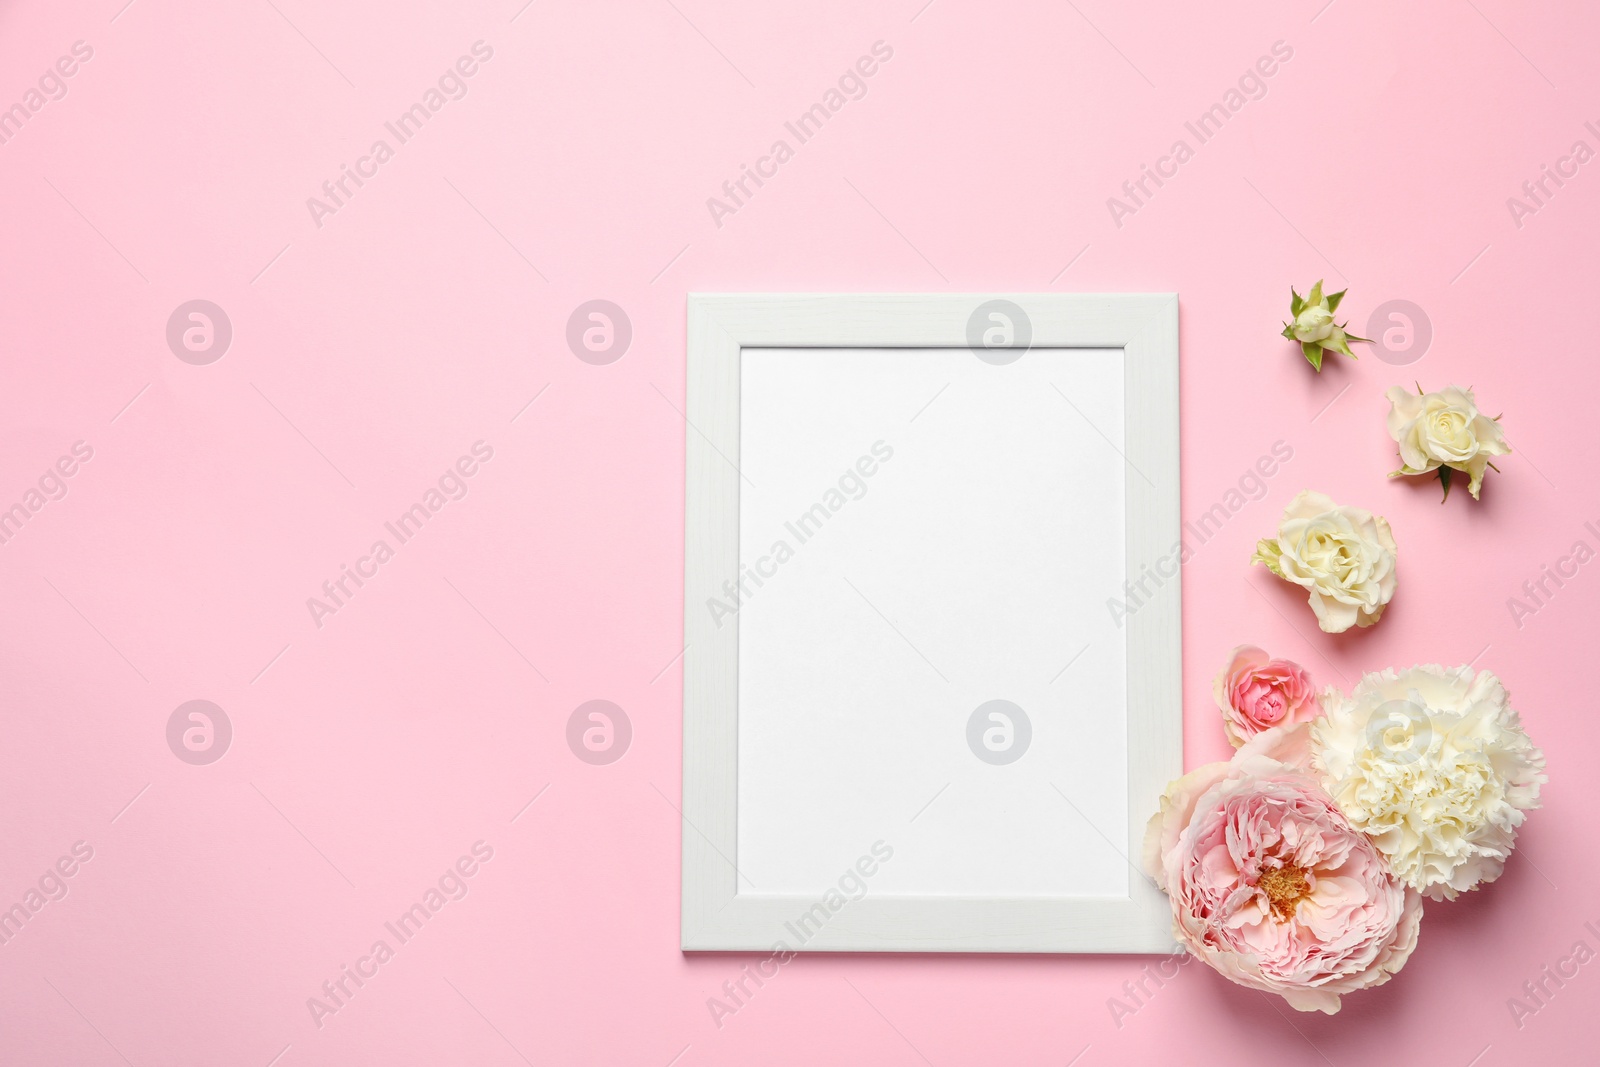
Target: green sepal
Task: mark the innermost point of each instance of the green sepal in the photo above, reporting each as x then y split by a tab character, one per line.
1315	296
1337	343
1333	301
1296	305
1267	553
1444	480
1313	353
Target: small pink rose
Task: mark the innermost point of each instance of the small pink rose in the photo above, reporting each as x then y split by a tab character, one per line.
1256	693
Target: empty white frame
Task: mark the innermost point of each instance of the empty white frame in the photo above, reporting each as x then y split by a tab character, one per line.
932	677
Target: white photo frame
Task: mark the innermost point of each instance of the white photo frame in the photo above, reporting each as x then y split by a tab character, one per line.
1071	536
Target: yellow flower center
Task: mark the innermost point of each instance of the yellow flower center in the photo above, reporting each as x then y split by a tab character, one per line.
1284	887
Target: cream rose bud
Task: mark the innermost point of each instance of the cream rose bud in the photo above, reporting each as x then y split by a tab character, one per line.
1443	429
1311	325
1344	557
1315	323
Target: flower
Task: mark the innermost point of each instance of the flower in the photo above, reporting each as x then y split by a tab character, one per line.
1313	326
1444	431
1344	556
1270	884
1256	692
1435	766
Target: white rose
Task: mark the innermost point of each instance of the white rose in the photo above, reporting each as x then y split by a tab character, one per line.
1434	765
1344	556
1443	429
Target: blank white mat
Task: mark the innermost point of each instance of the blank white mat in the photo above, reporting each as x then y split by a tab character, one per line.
974	563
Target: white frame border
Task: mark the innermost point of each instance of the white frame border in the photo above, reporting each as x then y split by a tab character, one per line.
714	916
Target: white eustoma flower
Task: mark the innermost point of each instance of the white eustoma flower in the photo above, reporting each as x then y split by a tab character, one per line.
1444	431
1434	765
1345	558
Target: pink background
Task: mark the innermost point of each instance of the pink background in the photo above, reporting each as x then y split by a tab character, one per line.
369	353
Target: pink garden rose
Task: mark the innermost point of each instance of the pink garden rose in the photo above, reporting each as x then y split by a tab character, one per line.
1256	692
1270	885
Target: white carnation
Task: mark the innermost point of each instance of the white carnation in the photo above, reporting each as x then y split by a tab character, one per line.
1435	766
